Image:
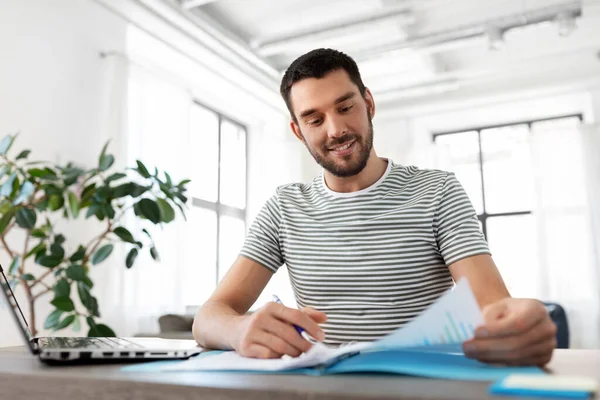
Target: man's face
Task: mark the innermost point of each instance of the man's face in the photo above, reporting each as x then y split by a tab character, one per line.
334	122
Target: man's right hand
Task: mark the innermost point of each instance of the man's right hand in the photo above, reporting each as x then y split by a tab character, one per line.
269	332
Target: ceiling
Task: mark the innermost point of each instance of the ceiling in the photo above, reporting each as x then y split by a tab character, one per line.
415	49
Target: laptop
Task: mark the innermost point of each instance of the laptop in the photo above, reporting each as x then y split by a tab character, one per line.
84	350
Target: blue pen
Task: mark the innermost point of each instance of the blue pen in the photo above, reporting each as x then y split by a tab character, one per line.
301	331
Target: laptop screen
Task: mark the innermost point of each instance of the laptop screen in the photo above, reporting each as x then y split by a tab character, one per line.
9	301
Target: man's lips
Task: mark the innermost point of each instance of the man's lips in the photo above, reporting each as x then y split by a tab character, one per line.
344	149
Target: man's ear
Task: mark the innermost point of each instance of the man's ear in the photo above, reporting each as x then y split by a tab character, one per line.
370	102
296	130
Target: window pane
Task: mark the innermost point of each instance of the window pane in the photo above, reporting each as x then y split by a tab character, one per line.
507	169
459	153
204	132
233	165
513	243
232	233
200	260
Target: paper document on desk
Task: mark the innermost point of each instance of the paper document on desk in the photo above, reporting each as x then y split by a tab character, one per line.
451	319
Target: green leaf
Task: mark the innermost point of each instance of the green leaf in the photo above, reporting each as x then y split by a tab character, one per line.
85	296
76	272
26	191
154	253
38	233
7	187
182	198
78	255
90	321
13	265
101	330
57	250
167	214
55	202
5	220
60	239
5	144
92	210
129	189
52	319
184	182
109	211
23	154
106	162
182	211
39	248
26	218
62	288
63	303
142	170
150	210
73	204
124	234
5	206
87	193
131	256
115	177
49	261
88	282
65	322
102	253
3	170
169	180
76	327
28	277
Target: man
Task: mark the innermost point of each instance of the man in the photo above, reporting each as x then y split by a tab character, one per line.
369	244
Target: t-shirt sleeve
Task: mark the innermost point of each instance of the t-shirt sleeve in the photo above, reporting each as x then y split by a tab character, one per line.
456	225
262	241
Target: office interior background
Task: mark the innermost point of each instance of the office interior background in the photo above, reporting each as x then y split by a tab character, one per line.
505	93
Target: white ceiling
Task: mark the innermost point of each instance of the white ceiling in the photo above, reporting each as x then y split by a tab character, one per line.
410	49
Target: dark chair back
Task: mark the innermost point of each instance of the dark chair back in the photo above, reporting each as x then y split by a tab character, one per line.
559	316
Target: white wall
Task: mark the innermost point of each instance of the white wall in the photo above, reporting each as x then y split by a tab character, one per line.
53	87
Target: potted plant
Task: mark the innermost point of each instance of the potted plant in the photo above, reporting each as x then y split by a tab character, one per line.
36	196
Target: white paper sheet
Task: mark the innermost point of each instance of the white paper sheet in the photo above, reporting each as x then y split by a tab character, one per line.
451	319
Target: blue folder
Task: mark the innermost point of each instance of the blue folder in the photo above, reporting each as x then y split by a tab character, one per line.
442	362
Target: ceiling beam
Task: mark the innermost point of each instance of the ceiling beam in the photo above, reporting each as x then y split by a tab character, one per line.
283	44
189	4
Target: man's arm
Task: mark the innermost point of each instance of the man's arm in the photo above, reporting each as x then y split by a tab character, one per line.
215	321
222	323
483	276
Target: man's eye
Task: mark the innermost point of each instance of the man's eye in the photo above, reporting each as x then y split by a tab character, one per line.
345	109
315	122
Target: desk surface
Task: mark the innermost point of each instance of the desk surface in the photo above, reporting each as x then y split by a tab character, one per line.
23	376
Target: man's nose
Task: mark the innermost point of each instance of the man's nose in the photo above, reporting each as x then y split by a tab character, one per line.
336	127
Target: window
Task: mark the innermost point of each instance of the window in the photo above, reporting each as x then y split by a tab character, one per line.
217	219
495	165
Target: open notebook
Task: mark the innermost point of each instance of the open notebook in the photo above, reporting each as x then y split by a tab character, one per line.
427	346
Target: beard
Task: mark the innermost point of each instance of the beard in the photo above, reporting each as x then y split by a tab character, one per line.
350	165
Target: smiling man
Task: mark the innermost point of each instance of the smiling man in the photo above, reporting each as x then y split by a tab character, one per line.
369	244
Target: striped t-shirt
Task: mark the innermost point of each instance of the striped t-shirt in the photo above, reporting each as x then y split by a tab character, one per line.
371	260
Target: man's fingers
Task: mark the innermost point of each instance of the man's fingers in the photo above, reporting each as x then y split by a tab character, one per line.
536	354
317	316
299	318
276	344
260	351
287	332
503	321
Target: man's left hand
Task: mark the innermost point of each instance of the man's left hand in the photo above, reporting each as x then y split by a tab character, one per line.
515	332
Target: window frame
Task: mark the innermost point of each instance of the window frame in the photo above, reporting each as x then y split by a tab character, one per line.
484	216
219	208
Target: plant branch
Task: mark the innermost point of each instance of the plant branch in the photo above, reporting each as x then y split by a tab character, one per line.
8	250
98	240
22	266
43	292
39	280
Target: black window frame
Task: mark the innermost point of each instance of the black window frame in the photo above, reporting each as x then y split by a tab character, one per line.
484	216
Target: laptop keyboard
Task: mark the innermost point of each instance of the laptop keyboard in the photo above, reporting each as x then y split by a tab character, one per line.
92	343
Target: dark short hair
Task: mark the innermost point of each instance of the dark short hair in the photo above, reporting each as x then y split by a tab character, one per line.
316	64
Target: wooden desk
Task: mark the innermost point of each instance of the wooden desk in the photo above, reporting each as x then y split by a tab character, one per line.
23	376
